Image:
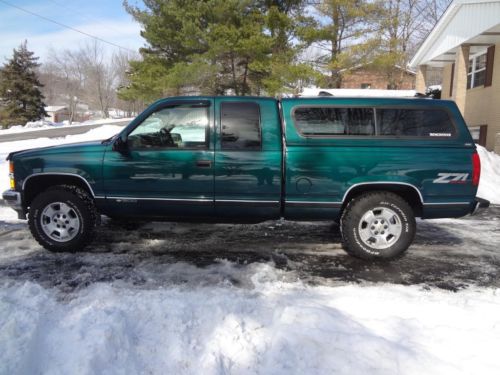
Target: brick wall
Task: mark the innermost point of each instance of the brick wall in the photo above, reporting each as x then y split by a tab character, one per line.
482	105
354	79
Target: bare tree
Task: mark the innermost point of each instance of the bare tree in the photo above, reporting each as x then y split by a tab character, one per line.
100	80
401	29
69	79
120	62
340	34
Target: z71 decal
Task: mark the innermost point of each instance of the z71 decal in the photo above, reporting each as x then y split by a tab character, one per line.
451	178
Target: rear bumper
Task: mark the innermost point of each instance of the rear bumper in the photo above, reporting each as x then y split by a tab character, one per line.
479	205
12	199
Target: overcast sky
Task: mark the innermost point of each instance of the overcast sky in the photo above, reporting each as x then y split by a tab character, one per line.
106	19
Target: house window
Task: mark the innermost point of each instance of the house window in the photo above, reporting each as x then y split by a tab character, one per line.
479	134
366	85
476	74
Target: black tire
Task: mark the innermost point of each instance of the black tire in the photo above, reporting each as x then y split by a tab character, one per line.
83	208
353	220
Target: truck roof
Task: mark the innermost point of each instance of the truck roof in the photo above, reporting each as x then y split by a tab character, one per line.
366	99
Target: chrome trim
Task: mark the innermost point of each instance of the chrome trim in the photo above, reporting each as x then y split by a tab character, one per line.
384	183
244	201
162	199
12	198
447	203
193	200
59	174
314	203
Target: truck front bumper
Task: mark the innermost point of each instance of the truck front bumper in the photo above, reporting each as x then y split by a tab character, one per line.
12	199
479	205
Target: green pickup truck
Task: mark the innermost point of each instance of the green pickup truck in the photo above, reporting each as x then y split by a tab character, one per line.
371	164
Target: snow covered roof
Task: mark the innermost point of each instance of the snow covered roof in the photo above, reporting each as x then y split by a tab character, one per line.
473	22
54	108
314	91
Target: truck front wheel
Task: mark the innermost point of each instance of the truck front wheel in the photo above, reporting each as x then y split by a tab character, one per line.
62	218
378	225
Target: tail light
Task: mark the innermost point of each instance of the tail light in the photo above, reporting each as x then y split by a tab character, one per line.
476	168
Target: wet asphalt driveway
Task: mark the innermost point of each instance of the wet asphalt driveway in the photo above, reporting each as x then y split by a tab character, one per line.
448	254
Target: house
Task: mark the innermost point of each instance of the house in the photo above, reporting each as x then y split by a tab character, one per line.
60	113
57	113
465	43
368	76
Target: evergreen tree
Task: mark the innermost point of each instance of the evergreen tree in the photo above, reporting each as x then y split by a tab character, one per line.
20	97
216	46
342	35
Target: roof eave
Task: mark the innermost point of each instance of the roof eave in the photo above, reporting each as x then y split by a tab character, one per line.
440	25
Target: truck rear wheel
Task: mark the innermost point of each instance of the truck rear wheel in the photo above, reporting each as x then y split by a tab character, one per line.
377	226
62	218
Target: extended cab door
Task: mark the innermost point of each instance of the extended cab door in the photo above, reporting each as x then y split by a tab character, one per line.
248	158
167	166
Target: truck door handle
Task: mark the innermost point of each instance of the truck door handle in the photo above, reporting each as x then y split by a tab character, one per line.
204	163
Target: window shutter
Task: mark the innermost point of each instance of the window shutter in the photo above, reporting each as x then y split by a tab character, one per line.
483	130
451	80
490	57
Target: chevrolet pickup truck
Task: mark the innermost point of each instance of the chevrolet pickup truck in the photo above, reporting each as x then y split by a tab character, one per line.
371	164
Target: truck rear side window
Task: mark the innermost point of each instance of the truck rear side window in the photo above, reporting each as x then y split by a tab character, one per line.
240	126
415	123
332	121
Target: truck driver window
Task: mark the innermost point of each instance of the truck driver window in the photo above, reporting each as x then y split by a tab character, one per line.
182	126
240	126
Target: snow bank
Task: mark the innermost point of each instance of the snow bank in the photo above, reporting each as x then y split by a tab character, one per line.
272	327
43	125
101	132
489	184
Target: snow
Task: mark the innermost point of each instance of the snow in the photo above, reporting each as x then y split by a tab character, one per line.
44	124
434	87
489	183
314	92
271	326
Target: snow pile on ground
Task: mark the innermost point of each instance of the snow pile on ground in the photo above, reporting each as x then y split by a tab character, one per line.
41	124
44	124
101	132
489	184
271	327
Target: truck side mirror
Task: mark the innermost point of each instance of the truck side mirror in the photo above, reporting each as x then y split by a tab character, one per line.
120	144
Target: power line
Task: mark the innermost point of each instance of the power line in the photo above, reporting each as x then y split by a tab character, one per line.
65	26
83	16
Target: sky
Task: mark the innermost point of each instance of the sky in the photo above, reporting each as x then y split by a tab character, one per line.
106	19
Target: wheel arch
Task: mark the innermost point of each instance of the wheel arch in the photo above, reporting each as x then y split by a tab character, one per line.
38	182
409	192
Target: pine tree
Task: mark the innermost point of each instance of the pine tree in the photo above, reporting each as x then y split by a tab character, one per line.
21	99
216	47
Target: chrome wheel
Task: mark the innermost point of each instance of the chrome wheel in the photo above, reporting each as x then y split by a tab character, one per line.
60	222
380	228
